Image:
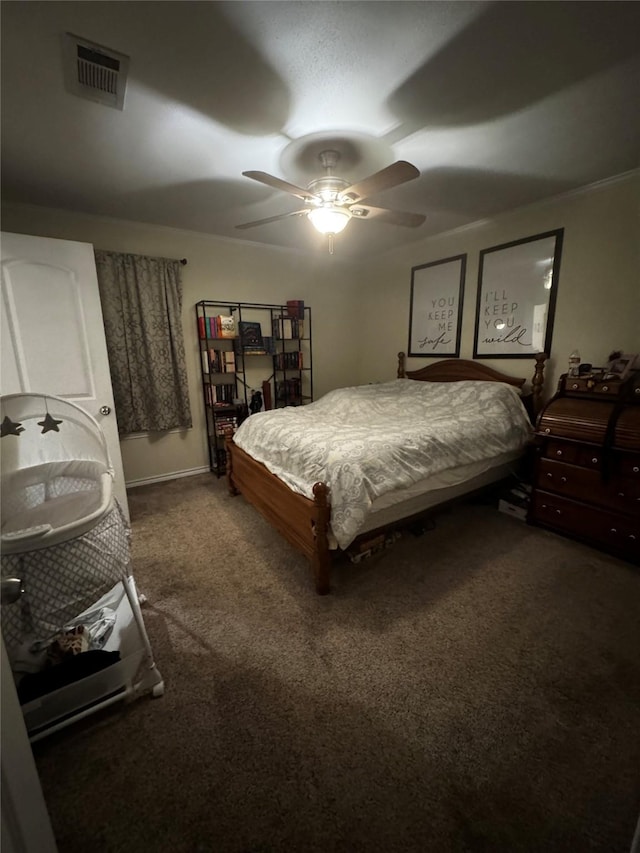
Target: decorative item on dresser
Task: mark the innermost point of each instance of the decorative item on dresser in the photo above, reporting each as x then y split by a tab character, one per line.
587	469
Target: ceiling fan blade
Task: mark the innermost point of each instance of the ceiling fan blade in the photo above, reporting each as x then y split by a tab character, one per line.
391	176
272	219
279	184
394	217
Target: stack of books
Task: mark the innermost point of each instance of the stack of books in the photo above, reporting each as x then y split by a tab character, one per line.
217	327
295	308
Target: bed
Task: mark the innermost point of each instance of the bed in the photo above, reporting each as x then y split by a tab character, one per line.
363	460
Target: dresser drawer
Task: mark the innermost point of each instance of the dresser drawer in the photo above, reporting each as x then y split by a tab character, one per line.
558	512
628	466
614	532
575	454
617	494
589	388
571	480
624	496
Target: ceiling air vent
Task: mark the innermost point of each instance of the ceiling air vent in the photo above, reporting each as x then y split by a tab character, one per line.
94	72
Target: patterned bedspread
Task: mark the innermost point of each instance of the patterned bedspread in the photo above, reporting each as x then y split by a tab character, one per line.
367	440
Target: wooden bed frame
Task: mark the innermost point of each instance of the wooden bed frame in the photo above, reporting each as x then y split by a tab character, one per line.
304	522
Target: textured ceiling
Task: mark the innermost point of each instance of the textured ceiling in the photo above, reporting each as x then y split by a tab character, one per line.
497	104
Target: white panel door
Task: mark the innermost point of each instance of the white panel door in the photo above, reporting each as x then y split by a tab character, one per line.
52	331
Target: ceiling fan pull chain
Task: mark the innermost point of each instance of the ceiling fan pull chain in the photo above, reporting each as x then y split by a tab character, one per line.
331	244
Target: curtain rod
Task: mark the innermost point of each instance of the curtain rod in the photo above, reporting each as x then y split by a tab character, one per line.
183	261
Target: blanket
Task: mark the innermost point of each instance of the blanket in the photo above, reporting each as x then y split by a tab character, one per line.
367	440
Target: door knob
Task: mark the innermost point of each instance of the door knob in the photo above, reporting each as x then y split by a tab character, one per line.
105	410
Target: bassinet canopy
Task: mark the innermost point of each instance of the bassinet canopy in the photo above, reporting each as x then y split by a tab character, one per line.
56	476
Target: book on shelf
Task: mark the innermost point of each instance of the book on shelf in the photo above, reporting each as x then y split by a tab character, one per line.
205	361
251	336
222	361
289	391
266	394
287	328
214	361
289	360
225	423
221	326
282	328
227	326
295	308
205	328
269	344
220	395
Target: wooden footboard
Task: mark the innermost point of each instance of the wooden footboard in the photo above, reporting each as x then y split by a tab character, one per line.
303	522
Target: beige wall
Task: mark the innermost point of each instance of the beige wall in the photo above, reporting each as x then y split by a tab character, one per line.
216	269
598	302
598	305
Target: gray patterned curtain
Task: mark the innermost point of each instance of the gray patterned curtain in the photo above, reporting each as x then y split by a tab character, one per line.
141	303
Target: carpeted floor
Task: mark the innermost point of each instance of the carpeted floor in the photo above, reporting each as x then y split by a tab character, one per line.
476	688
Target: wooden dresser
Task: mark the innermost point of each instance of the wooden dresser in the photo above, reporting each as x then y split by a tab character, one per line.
587	466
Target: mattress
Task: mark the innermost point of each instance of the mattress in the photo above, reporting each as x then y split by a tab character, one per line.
373	443
431	491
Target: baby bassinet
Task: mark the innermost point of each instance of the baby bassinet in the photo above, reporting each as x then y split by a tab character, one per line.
56	476
66	544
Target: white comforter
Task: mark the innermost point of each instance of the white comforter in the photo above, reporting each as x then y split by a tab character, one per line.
368	440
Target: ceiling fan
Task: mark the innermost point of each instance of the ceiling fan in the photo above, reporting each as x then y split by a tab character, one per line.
331	202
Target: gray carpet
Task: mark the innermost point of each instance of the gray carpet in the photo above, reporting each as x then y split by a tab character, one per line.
476	688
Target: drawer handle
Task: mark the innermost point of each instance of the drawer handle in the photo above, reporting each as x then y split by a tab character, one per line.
547	429
558	453
605	387
635	469
613	530
563	479
595	460
632	536
620	494
574	386
544	506
550	476
558	512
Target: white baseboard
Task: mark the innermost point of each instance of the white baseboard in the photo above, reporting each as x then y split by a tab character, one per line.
174	475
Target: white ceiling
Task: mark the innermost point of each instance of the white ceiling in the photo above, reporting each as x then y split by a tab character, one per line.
497	104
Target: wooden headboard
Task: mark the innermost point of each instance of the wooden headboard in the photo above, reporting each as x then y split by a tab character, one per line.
459	369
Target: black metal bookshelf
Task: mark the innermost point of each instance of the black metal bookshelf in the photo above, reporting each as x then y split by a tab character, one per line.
251	352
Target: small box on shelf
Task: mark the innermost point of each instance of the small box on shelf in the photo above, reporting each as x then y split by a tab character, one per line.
515	501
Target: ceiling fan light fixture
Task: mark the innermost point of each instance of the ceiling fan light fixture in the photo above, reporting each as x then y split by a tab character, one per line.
329	220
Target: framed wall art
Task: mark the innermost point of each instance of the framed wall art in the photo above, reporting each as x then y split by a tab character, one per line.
517	289
435	316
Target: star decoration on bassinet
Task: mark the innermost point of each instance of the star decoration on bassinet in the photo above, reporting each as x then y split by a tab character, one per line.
10	427
49	424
